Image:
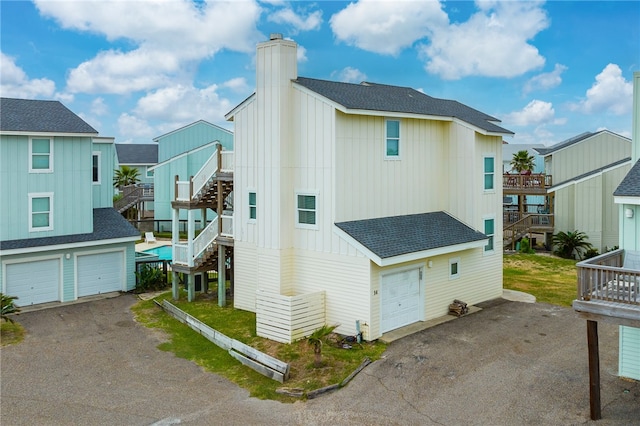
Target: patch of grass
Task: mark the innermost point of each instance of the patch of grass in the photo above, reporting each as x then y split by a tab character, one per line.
338	363
550	279
11	333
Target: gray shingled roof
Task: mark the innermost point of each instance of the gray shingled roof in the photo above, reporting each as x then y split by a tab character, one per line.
26	115
590	173
630	185
394	236
566	143
380	97
137	153
107	224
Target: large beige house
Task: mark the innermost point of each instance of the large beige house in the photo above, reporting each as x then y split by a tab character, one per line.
365	205
586	170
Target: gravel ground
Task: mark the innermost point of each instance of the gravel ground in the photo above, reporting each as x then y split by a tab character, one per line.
510	364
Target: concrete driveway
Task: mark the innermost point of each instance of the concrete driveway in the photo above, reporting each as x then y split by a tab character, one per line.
509	364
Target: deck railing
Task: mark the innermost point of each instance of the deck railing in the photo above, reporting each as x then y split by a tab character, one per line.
604	278
220	162
526	182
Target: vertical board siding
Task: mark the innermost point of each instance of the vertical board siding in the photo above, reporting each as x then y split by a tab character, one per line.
191	137
245	258
289	318
629	357
103	192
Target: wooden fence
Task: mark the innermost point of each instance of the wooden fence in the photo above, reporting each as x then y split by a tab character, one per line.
251	357
286	319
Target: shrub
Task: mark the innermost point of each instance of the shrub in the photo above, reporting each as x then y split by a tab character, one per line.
149	278
592	252
8	307
568	243
525	246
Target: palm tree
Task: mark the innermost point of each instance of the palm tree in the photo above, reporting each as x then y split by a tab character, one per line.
316	339
567	243
7	307
125	176
522	161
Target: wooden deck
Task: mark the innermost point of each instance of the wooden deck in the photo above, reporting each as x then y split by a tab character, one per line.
607	290
519	184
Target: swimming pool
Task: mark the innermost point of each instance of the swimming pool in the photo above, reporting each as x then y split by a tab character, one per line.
163	252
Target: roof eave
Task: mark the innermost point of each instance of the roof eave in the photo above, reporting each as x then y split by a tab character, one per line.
28	133
68	246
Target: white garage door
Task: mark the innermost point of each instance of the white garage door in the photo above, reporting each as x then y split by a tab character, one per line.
34	282
100	273
401	299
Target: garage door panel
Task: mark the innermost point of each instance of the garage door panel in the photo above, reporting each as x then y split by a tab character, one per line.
100	273
34	282
401	299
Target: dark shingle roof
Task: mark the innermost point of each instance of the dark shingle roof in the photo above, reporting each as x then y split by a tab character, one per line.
394	236
26	115
107	224
137	153
630	185
591	173
381	97
568	142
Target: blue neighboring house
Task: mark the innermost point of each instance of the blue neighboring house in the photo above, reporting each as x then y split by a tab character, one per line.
140	156
60	238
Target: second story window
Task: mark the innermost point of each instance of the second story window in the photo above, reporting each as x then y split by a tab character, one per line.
489	173
392	142
96	168
253	210
306	210
40	155
40	212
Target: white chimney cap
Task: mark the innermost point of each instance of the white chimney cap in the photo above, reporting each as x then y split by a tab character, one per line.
275	36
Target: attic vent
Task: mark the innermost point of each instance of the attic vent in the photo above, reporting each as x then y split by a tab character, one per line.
275	36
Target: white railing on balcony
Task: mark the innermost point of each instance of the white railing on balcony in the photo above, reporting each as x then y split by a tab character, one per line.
220	161
227	161
208	169
205	239
180	254
183	192
227	226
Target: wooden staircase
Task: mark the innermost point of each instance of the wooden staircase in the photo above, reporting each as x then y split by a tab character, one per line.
528	224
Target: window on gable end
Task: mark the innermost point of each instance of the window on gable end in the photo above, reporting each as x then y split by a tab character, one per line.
392	143
489	173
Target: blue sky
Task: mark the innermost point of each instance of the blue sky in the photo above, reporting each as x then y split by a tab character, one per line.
138	69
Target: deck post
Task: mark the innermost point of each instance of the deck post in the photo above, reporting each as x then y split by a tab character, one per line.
175	285
191	287
222	279
594	370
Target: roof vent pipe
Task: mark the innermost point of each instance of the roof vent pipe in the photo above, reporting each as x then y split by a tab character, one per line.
275	36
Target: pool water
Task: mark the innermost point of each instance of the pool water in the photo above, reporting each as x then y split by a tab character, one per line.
163	252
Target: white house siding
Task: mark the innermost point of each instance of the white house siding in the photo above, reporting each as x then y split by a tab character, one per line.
346	282
245	275
610	210
564	208
588	210
600	150
629	355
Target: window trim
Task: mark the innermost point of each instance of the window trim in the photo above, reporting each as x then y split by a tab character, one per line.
485	173
254	206
387	139
146	173
454	261
31	197
99	167
492	237
297	210
31	154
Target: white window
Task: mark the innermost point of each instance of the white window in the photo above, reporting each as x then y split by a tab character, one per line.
306	211
149	173
392	142
489	173
253	210
454	268
40	155
40	211
489	231
96	167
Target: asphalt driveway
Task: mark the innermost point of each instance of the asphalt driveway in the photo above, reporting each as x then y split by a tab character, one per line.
510	364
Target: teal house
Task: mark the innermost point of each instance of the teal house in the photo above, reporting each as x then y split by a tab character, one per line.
182	153
60	238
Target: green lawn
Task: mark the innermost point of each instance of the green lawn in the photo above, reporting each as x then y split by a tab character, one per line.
550	279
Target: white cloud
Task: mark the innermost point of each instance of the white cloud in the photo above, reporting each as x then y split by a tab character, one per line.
610	93
545	81
169	38
299	22
493	42
238	84
99	107
134	127
536	112
302	54
14	82
350	75
387	27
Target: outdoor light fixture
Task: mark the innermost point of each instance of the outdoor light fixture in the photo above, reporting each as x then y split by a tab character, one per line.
628	212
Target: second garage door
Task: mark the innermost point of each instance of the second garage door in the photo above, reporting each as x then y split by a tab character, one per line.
401	299
34	282
100	273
